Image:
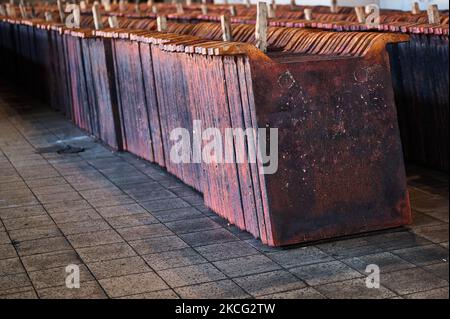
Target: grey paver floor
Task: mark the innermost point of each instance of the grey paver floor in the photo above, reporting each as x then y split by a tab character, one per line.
137	232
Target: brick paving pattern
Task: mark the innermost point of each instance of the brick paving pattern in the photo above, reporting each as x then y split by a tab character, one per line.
137	232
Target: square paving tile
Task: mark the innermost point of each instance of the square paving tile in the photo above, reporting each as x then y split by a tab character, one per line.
354	289
57	277
208	237
387	262
161	294
205	210
106	252
47	182
29	294
16	184
132	220
94	239
119	267
144	231
223	289
76	216
91	290
241	234
324	273
132	284
269	283
349	248
154	192
50	260
53	189
436	234
35	233
243	266
174	258
190	275
299	256
67	206
28	222
56	198
423	255
428	204
194	200
4	238
120	211
393	240
169	182
411	281
101	193
183	191
440	270
227	250
45	245
132	180
9	283
84	226
421	220
192	225
442	216
10	266
440	293
15	193
91	184
18	202
186	213
25	211
164	204
111	201
158	244
257	244
304	293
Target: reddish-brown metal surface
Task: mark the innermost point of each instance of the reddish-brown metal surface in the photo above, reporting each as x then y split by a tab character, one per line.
134	119
152	103
92	99
104	90
174	106
82	115
66	93
341	167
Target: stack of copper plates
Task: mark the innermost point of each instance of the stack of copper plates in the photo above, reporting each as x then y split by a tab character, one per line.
83	111
60	70
337	168
423	111
102	80
329	95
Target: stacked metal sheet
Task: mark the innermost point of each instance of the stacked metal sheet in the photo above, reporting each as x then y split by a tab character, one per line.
340	169
419	84
423	111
